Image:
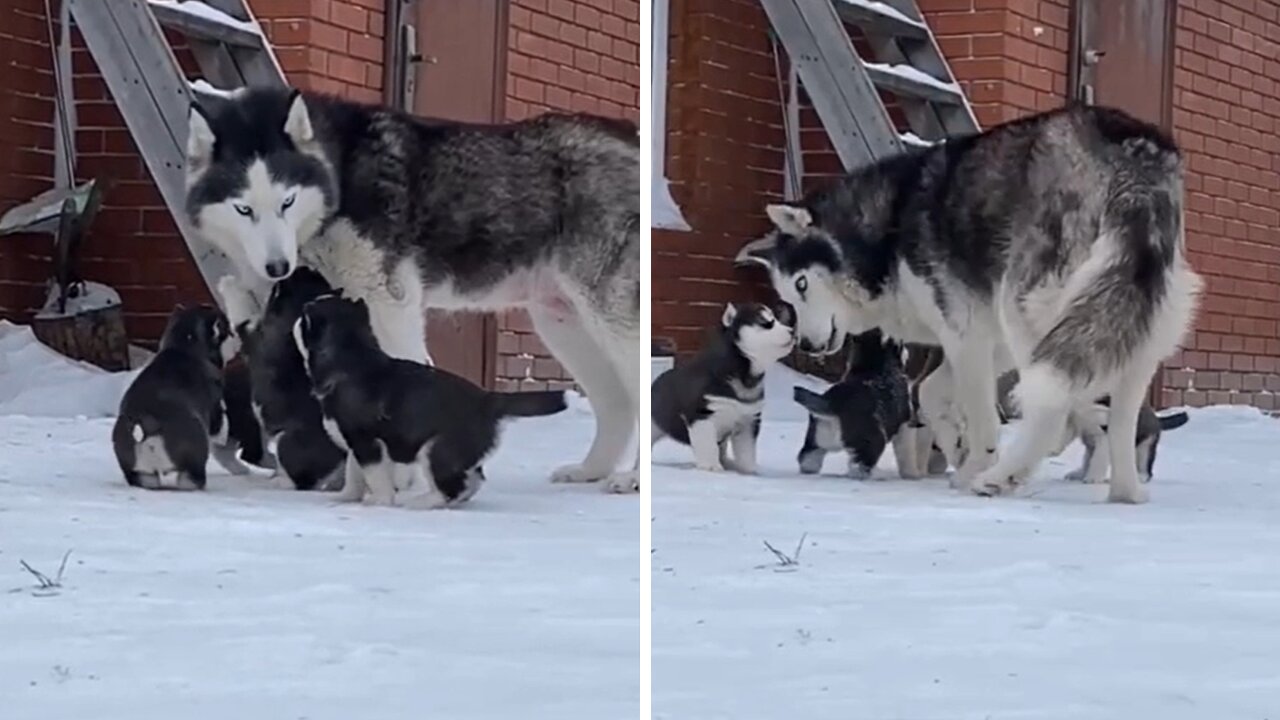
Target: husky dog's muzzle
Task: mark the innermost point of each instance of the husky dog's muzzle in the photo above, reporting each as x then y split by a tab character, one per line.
827	348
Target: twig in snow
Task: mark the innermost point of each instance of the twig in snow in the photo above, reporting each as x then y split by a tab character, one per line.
46	583
786	563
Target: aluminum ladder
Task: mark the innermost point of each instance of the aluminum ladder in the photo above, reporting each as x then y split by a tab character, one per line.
127	41
845	89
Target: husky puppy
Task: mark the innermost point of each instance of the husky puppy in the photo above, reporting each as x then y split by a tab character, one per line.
282	396
1051	245
718	396
541	215
862	413
172	412
415	435
1091	427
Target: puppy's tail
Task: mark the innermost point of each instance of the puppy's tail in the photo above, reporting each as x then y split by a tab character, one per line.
811	401
143	427
1173	421
529	404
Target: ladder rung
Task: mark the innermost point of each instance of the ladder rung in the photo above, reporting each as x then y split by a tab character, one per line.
197	20
876	18
911	82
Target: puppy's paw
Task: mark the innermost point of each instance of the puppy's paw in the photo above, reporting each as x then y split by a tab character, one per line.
384	499
281	481
622	483
421	500
713	466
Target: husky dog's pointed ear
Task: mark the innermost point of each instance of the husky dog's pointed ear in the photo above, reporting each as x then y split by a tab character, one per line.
200	137
730	312
297	124
757	252
789	219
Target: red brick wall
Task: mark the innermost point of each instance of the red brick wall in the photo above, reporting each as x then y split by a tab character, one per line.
579	55
1227	119
331	45
724	159
26	145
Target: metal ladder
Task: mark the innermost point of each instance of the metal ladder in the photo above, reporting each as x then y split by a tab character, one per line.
844	88
127	41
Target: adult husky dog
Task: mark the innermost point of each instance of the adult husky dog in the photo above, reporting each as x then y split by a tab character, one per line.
542	215
1052	244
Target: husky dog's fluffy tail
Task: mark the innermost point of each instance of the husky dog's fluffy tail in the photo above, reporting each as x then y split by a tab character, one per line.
529	404
1173	421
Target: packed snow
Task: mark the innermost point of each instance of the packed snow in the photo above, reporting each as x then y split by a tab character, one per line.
251	602
883	9
910	73
198	9
915	602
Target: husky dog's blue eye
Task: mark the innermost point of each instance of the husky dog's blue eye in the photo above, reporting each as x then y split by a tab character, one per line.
288	202
802	284
244	210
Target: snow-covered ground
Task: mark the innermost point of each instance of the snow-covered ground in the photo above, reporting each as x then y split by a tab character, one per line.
913	602
254	603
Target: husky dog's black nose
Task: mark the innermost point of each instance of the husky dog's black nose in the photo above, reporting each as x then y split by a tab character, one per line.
806	346
277	269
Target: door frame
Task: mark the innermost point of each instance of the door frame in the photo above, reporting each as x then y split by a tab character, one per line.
398	68
1080	74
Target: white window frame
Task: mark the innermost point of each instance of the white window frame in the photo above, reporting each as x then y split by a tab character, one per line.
666	214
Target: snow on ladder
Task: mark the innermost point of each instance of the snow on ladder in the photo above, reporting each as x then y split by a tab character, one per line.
845	89
127	41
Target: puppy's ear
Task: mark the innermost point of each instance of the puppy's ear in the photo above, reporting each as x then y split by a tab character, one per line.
785	314
757	252
730	312
790	219
811	401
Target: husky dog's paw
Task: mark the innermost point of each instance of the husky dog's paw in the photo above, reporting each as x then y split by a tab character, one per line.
1137	496
1081	476
622	483
576	474
709	466
281	481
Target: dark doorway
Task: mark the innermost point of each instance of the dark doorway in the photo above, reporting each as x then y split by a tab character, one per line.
450	65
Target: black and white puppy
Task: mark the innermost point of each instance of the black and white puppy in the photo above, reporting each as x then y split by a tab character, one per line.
172	415
718	396
282	397
862	413
1091	427
416	435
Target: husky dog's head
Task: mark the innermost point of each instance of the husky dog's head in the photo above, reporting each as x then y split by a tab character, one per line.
202	331
258	183
758	333
806	265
